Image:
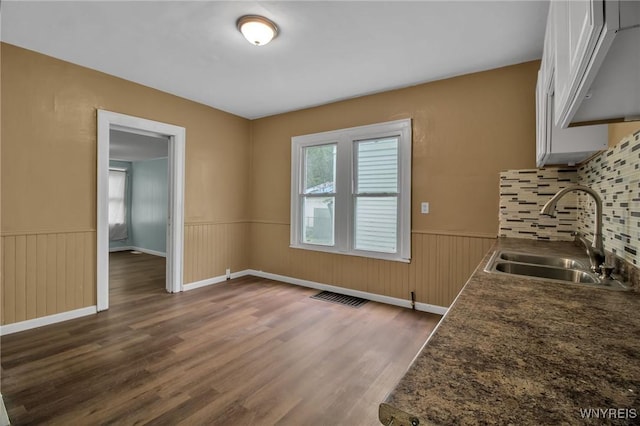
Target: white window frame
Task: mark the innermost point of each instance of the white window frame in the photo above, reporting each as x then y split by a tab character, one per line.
344	205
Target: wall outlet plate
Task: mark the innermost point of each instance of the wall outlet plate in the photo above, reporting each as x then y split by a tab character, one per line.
424	208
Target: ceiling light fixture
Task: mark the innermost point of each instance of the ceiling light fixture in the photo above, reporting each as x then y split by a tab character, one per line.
256	29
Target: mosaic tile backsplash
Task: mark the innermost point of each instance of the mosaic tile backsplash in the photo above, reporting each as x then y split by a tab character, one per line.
615	175
524	192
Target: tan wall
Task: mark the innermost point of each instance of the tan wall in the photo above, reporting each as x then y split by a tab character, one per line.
49	171
617	131
465	131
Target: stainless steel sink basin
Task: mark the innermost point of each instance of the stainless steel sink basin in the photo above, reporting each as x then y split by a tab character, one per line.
559	269
559	262
552	273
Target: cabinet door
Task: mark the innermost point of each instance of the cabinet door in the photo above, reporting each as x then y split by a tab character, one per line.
549	52
541	120
555	145
577	26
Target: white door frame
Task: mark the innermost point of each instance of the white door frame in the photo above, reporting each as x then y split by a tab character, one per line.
108	120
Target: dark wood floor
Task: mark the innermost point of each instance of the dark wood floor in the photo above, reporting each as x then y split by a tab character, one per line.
247	352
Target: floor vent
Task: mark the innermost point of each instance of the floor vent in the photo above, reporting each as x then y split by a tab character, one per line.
327	296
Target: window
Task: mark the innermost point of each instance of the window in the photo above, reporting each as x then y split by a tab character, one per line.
117	205
319	194
351	191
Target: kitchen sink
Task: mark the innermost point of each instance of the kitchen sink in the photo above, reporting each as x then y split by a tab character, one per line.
548	268
559	262
552	273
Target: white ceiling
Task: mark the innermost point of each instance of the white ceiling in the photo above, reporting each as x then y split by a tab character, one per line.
125	146
326	50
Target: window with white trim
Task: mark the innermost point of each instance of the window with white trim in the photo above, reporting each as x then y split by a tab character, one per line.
351	191
117	204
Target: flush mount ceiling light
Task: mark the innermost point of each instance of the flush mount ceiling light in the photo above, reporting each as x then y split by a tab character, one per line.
256	29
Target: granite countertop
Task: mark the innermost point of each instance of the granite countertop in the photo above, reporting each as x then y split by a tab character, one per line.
513	350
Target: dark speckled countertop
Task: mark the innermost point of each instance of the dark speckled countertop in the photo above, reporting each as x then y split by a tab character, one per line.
519	351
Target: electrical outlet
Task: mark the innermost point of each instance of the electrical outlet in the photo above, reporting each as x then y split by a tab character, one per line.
228	273
424	208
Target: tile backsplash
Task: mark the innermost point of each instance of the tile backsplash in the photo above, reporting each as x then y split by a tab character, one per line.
615	175
524	192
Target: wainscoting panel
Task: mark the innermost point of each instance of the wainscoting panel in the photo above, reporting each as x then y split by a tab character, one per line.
211	248
46	274
440	264
50	273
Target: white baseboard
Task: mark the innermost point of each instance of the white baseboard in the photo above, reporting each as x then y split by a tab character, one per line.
50	319
90	310
122	248
424	307
434	309
152	252
215	280
4	416
140	249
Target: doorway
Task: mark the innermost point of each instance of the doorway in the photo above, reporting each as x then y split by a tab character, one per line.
109	123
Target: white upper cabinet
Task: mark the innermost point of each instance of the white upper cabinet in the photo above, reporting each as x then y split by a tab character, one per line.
541	125
544	96
555	145
590	72
577	25
597	60
614	93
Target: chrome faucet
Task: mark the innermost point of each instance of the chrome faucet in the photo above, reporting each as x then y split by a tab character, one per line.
596	257
596	249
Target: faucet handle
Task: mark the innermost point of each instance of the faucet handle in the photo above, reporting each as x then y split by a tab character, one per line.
607	271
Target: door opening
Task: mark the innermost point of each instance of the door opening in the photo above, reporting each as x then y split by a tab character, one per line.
108	124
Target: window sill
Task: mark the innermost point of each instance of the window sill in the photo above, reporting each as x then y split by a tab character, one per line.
368	255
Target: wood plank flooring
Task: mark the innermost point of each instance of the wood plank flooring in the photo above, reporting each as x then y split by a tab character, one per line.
246	352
